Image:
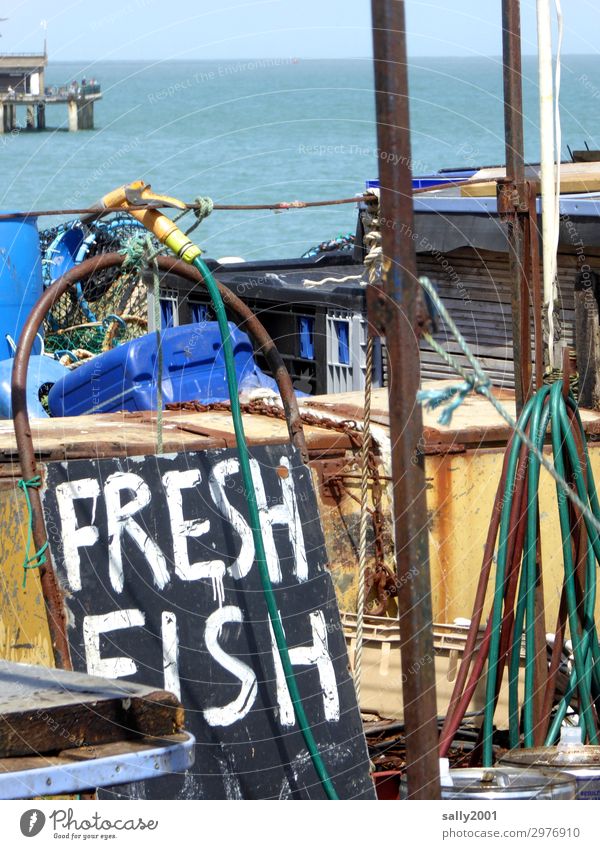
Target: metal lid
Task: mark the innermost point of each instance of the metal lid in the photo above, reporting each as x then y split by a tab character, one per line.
557	757
504	781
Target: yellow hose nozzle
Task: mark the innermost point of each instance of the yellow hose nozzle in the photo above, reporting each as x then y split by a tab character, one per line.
140	194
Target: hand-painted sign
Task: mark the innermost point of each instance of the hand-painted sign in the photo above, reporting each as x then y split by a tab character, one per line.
157	562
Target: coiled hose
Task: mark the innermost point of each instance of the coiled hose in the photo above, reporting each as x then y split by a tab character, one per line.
517	608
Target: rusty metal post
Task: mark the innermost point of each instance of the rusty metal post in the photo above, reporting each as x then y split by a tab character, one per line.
398	313
515	200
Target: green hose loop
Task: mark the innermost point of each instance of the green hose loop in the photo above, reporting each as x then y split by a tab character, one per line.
548	406
254	518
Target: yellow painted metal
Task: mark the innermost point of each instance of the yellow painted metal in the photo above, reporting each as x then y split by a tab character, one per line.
24	633
460	495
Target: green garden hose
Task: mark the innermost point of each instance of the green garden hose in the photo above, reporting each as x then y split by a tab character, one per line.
261	558
547	407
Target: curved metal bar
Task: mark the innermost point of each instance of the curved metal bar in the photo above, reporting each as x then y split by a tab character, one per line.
53	597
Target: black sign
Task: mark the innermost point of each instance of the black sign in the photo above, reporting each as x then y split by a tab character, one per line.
157	562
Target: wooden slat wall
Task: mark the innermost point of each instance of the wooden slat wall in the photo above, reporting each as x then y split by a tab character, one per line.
475	288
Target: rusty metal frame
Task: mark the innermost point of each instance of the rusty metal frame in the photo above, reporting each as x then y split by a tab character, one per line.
398	313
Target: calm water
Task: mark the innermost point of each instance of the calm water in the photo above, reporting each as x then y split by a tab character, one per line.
278	130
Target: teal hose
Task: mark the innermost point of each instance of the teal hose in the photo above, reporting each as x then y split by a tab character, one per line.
560	437
254	518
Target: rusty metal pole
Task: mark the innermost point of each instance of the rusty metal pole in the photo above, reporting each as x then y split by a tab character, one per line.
515	199
397	312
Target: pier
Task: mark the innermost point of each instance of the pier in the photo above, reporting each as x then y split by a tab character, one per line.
22	86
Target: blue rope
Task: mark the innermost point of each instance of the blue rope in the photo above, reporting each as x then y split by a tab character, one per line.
39	558
475	381
434	398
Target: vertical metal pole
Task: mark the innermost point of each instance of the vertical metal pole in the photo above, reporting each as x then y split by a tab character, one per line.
515	176
399	315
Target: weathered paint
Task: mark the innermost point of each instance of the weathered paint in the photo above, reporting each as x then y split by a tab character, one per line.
460	495
24	634
460	499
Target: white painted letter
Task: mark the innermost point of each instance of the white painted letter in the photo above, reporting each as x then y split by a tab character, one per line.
239	707
120	520
182	528
170	644
216	481
74	537
315	655
285	514
93	626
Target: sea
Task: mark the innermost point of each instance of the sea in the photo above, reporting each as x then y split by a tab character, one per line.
263	131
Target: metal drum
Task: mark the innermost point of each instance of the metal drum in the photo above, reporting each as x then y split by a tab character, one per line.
580	762
20	276
505	782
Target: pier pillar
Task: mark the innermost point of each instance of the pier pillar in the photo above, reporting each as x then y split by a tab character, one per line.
30	116
72	112
41	116
85	115
1	117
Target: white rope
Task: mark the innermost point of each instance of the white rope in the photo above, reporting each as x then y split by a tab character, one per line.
373	265
364	520
311	283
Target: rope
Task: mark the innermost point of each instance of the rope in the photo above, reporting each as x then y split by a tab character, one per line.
310	284
159	348
204	207
364	519
139	251
38	559
480	383
373	262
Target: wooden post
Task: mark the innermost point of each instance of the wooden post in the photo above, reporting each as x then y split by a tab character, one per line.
72	112
587	338
30	116
41	116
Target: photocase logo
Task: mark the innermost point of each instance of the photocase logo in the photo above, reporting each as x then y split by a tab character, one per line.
32	822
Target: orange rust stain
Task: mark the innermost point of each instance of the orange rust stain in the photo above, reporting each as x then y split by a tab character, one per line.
443	530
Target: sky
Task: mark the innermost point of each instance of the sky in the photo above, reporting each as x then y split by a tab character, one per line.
232	29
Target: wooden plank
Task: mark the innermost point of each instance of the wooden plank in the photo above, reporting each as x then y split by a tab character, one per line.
575	177
45	710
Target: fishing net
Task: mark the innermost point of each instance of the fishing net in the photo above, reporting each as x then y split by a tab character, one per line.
106	309
343	243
